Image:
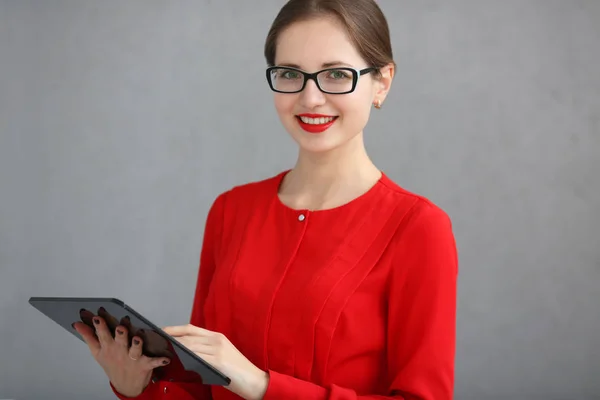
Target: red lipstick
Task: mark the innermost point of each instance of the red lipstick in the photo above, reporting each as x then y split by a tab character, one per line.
314	126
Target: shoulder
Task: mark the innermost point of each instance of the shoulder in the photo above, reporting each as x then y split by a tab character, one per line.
416	209
424	237
260	187
247	194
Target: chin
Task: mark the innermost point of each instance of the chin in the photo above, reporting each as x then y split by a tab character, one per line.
316	149
318	144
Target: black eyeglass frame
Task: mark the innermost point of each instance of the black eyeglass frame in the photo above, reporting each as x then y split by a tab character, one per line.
356	73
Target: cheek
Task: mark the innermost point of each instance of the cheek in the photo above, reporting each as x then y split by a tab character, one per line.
284	104
359	100
356	112
355	108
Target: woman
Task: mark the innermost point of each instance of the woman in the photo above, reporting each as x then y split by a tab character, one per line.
330	281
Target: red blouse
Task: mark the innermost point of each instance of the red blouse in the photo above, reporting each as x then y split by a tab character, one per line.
355	302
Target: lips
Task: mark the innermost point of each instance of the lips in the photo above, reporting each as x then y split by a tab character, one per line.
315	123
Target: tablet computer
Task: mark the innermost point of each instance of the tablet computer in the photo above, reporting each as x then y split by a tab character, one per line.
156	343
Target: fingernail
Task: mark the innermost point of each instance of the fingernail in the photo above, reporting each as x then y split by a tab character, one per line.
165	362
73	325
120	332
136	342
96	321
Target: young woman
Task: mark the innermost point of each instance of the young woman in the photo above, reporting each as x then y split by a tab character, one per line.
327	281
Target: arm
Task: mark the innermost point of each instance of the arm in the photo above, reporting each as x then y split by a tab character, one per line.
421	319
173	379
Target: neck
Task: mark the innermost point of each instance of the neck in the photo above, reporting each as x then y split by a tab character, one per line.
318	177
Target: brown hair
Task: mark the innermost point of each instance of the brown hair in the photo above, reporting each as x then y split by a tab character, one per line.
363	19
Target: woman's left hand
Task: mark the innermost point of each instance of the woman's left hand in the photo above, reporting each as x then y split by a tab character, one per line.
247	380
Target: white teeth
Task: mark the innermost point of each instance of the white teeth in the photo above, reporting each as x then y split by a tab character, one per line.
316	121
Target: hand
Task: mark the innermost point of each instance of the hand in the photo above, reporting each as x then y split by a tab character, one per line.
127	369
247	380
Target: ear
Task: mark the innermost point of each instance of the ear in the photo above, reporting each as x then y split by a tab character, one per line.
384	83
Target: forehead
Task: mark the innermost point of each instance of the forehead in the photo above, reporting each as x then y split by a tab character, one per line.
316	42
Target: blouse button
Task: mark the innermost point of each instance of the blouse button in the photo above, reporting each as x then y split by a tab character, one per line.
301	217
165	390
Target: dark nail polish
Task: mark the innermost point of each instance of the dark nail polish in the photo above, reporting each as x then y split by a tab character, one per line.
120	332
96	321
165	362
136	342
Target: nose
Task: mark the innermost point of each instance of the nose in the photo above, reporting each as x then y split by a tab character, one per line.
311	96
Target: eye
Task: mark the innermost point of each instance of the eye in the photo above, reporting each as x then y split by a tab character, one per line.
338	74
287	74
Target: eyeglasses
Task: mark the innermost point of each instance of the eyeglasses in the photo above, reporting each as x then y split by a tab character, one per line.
341	80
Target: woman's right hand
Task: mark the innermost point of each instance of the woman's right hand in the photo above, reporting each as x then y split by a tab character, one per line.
127	369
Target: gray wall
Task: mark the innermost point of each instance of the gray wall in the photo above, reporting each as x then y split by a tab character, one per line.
120	121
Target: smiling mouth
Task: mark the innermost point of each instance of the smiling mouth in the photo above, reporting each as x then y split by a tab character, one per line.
315	123
316	120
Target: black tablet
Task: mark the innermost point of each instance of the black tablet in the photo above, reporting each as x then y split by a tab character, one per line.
156	343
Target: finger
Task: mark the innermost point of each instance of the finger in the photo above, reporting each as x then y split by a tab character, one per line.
186	330
175	331
88	335
200	348
158	362
121	338
141	333
198	345
126	322
200	340
110	320
135	351
104	335
86	317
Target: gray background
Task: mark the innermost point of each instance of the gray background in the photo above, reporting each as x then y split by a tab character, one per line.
120	122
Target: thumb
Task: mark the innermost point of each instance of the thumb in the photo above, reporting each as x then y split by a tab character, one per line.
159	362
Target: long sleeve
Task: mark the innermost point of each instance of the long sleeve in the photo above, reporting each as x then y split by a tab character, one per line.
173	381
421	318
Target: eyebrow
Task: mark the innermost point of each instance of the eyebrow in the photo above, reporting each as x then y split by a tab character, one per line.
324	65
